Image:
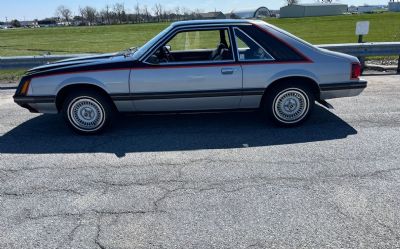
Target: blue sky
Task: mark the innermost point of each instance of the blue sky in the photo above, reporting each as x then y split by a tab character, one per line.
31	9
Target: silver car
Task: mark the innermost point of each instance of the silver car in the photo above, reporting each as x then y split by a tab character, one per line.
195	66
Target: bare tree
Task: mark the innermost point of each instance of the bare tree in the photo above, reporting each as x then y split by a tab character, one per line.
178	13
106	14
196	14
146	13
186	13
291	2
166	14
119	11
158	11
88	14
137	12
64	13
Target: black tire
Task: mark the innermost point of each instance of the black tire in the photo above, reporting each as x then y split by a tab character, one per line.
87	112
288	104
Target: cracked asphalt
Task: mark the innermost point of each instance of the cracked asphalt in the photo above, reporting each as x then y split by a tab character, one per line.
206	181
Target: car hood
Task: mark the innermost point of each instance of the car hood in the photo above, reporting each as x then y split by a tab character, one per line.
78	62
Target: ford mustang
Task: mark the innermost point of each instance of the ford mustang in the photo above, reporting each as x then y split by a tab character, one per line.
195	66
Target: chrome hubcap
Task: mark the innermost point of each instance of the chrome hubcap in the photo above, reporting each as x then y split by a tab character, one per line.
86	114
291	105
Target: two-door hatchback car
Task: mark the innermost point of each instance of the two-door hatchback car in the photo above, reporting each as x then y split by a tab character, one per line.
208	65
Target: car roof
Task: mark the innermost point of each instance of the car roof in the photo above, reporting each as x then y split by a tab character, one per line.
212	21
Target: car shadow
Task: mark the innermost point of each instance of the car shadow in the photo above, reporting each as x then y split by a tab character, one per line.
47	134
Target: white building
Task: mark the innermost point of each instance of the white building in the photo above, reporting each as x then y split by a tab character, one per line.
313	9
367	8
394	6
258	13
29	24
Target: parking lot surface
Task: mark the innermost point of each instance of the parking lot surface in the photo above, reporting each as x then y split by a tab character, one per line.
206	181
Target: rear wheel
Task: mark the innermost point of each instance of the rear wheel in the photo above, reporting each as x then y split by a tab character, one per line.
289	104
87	112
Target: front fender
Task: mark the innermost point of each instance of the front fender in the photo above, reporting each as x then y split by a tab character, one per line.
81	80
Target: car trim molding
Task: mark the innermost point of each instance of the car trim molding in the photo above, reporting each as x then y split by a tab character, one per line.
34	99
188	94
343	86
154	95
77	71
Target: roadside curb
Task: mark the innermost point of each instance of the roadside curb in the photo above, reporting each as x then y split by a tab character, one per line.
381	68
8	86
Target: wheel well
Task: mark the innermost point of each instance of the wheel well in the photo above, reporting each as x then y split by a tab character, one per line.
63	93
298	79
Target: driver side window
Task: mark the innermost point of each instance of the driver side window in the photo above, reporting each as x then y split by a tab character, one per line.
195	46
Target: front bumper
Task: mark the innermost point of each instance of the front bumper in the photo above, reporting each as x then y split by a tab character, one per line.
37	104
341	90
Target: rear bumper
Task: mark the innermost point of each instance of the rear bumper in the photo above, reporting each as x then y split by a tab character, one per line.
37	104
341	90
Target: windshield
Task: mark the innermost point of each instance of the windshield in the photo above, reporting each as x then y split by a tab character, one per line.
143	49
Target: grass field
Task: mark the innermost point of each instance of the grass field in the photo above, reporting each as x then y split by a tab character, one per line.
317	30
76	39
384	27
11	76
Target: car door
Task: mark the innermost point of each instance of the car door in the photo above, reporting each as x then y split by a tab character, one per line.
197	74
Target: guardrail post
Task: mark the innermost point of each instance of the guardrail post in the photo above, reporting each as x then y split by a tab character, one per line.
362	62
398	65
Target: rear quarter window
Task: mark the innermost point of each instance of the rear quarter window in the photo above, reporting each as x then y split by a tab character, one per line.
278	49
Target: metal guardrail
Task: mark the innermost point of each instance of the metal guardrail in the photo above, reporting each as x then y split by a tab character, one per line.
366	49
21	62
360	50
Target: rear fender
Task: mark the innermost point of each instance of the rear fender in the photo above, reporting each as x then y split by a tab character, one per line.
293	73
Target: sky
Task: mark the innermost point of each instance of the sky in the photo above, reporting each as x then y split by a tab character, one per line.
38	9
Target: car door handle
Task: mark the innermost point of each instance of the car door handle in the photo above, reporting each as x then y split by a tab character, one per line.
227	70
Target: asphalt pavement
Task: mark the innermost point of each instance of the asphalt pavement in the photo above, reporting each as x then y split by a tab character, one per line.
226	180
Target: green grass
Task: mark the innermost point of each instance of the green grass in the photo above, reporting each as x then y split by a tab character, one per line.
10	76
384	27
317	30
63	40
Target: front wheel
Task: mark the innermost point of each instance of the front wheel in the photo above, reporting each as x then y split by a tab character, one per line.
289	105
87	112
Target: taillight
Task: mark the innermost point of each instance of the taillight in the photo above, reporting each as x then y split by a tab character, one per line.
355	71
25	87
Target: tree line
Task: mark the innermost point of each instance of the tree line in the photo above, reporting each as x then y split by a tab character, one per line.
293	2
119	14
